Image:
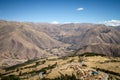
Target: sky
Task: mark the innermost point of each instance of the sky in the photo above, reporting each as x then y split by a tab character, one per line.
60	11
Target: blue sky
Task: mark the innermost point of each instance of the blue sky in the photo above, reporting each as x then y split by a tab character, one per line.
84	11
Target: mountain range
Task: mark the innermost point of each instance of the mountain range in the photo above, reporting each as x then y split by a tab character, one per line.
21	41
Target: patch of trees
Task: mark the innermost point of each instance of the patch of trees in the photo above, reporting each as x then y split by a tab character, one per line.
70	61
111	61
10	77
36	64
63	57
34	72
107	71
52	59
91	54
7	73
107	61
18	69
81	55
48	68
20	65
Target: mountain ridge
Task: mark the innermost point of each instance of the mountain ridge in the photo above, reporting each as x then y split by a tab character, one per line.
27	40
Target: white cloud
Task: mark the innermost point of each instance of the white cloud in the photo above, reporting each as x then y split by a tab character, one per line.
80	9
112	23
55	22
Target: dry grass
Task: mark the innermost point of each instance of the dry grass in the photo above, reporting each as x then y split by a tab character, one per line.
95	61
100	62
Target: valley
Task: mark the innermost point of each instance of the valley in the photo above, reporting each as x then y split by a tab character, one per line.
44	51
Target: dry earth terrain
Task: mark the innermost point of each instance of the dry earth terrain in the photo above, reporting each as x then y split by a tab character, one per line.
82	67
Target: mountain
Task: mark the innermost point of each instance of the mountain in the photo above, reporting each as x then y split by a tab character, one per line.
101	40
96	38
118	28
67	33
20	41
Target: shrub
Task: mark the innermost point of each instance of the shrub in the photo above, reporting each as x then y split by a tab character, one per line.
10	77
107	71
70	61
91	54
20	65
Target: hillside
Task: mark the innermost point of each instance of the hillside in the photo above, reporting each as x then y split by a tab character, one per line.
21	41
72	68
82	36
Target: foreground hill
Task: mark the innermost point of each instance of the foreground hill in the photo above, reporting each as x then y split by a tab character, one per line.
65	68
